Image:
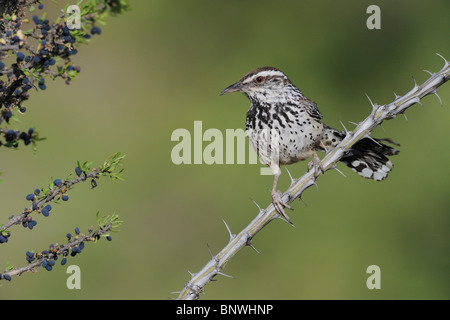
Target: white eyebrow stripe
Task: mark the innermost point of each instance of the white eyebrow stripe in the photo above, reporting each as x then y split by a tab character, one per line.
266	73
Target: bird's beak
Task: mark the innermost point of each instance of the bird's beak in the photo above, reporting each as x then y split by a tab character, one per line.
234	87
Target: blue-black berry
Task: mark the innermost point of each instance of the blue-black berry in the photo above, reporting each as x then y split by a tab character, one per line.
45	212
78	171
20	56
30	197
65	197
30	256
57	182
96	30
31	224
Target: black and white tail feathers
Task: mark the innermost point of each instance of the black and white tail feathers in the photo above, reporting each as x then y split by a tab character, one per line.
368	157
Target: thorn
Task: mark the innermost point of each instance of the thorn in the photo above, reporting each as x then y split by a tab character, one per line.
435	93
369	137
229	231
315	183
335	168
210	252
405	116
345	129
381	125
323	146
356	124
191	273
428	72
374	106
249	243
251	246
175	292
257	205
418	101
301	199
224	274
290	176
285	219
415	83
396	96
446	62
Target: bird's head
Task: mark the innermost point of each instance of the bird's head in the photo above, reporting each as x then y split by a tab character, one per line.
263	84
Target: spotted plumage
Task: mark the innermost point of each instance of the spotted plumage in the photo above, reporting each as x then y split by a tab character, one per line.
285	127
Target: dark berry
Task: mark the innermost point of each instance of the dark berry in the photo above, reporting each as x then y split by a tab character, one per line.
78	171
63	261
96	30
77	230
37	20
32	224
20	56
57	182
30	197
65	197
45	212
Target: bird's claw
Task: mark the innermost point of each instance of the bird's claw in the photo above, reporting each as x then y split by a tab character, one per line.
280	205
317	164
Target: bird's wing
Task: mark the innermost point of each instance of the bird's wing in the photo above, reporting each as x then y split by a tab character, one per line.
311	109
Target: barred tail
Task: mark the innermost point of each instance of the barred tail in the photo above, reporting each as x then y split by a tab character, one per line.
368	157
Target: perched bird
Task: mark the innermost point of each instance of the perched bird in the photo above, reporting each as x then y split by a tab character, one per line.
285	127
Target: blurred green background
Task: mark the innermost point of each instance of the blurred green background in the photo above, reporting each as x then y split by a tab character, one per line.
160	67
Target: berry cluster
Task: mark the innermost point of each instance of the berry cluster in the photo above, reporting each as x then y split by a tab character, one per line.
32	50
57	190
75	244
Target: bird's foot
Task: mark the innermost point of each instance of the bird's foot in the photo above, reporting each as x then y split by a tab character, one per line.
280	205
317	164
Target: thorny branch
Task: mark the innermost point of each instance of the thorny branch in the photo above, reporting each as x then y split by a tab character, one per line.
379	113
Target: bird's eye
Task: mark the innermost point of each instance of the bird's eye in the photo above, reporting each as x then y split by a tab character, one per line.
259	79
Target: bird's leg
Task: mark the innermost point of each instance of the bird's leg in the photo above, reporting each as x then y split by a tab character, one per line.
317	164
276	194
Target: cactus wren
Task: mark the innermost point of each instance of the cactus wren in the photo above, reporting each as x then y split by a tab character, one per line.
285	127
